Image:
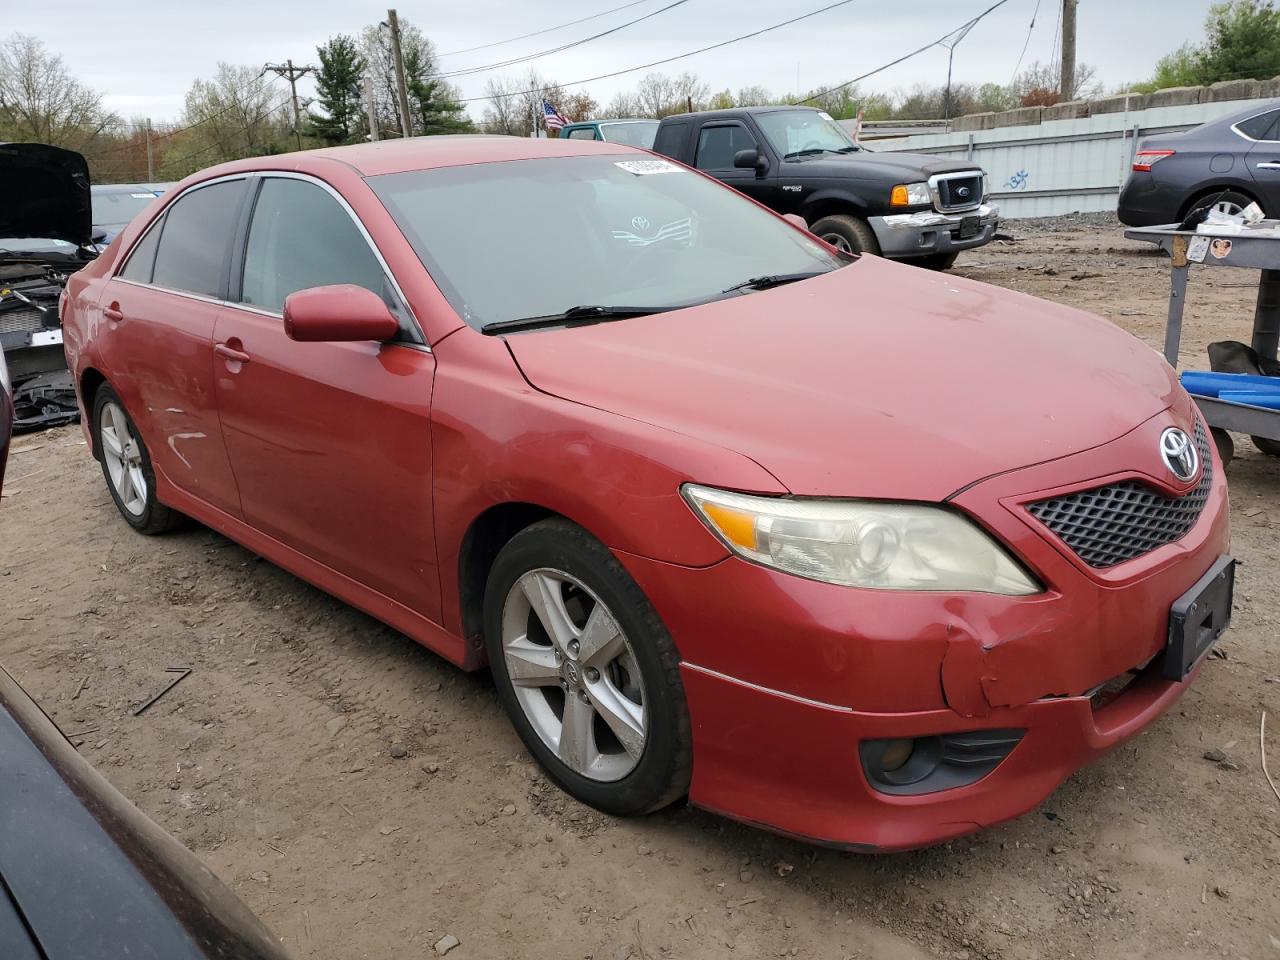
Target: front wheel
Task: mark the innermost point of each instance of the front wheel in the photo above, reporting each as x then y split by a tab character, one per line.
846	233
586	671
126	466
937	261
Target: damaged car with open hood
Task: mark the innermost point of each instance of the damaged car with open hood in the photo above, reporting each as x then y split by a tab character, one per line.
46	234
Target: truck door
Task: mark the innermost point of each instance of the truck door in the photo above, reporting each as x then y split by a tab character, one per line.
718	142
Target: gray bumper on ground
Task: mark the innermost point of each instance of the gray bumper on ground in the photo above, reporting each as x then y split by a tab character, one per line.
927	232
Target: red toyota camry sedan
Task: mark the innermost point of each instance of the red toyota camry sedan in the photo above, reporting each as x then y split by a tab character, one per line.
837	546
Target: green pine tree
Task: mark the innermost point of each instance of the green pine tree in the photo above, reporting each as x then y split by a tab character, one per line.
431	100
339	81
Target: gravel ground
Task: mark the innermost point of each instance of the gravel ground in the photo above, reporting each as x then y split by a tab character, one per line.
368	800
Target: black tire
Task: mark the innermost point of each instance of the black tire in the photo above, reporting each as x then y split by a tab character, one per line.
936	261
1268	446
662	772
848	233
1233	197
155	517
1226	446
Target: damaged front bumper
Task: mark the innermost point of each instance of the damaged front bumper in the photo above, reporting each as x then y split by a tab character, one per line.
31	339
787	680
904	235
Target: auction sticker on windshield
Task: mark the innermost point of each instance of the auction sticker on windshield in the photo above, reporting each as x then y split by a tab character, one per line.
642	168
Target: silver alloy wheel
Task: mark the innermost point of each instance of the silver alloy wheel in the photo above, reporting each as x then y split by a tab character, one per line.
839	242
122	453
574	674
1226	207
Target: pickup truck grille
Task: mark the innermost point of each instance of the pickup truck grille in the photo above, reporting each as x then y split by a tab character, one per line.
959	191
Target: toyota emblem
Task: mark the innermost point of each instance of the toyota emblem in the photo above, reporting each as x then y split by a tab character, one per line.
962	193
640	223
1179	454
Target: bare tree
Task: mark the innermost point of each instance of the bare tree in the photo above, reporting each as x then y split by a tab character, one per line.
41	101
238	113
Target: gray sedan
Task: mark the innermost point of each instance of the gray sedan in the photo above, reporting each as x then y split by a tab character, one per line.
1226	163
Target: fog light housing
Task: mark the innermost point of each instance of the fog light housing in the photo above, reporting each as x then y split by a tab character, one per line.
930	764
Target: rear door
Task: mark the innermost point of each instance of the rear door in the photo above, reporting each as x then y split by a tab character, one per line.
330	442
160	309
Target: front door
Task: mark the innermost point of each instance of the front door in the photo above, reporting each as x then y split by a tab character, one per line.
159	313
330	442
717	145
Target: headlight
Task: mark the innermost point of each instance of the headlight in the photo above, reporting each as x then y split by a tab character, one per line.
862	543
910	195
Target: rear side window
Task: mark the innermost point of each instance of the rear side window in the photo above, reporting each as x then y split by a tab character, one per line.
671	138
1261	127
196	237
582	133
301	237
717	145
143	259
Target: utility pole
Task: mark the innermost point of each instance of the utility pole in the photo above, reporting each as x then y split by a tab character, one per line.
292	73
406	123
1067	89
151	167
372	108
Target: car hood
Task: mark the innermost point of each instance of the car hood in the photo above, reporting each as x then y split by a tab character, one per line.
898	167
44	193
877	380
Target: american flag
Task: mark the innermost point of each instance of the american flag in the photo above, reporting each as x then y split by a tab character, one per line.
553	118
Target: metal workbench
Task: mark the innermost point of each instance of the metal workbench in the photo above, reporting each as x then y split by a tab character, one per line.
1258	252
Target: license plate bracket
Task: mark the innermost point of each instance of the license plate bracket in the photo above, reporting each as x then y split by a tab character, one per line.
1198	618
969	227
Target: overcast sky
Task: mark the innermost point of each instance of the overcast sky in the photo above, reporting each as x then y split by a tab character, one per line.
144	54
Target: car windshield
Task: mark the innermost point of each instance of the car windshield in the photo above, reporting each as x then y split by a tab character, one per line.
634	133
117	209
533	238
794	133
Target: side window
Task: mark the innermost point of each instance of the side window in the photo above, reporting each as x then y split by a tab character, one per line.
583	133
717	145
197	232
143	259
1261	127
671	138
301	237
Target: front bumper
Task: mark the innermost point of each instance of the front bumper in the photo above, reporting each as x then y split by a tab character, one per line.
929	232
785	677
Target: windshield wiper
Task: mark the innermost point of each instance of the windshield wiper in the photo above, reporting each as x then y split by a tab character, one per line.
810	152
773	280
580	314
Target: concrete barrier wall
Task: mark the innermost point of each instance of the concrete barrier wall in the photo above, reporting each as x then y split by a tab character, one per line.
1074	157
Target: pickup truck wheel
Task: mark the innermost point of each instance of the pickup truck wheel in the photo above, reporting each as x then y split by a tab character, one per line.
847	234
937	261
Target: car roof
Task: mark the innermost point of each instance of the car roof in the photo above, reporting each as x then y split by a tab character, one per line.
421	153
733	111
1245	114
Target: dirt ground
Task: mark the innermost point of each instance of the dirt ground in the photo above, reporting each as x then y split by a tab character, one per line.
367	799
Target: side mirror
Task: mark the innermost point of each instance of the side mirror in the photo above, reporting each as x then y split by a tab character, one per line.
749	159
342	312
796	221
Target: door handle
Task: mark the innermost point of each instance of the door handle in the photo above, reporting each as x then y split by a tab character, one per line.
1270	165
229	353
113	313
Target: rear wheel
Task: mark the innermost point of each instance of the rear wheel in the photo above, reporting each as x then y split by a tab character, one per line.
1226	446
1229	202
1267	445
846	233
586	671
126	466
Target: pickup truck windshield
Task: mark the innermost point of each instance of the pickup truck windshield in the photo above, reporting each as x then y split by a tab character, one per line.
794	133
634	133
533	238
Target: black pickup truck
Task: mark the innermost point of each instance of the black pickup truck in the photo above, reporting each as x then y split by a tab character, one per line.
797	160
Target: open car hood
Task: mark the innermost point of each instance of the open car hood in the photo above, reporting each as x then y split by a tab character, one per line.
44	193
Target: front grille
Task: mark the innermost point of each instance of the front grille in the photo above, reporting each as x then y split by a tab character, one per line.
1121	521
21	320
960	193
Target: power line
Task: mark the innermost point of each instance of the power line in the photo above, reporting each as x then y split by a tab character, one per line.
1026	43
538	33
967	25
1057	32
682	56
468	71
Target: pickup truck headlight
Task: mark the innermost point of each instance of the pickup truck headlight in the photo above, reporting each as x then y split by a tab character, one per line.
910	195
861	543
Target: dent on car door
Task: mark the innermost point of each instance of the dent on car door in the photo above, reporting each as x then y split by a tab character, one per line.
330	442
156	338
